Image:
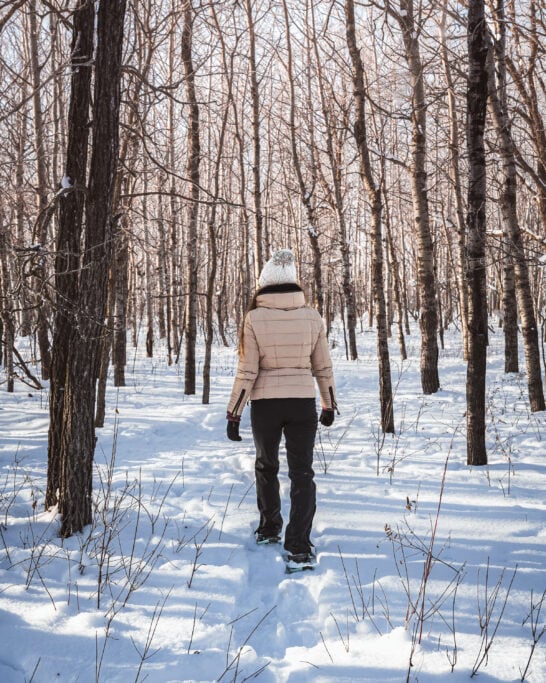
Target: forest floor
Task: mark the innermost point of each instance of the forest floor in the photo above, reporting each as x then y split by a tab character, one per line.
429	570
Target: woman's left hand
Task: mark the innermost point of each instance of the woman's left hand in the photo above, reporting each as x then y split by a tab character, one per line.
233	428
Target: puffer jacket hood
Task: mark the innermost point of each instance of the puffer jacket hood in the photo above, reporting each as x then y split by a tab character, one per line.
284	350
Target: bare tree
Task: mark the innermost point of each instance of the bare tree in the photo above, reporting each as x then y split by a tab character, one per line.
69	230
7	322
306	189
508	205
77	430
40	231
193	211
455	178
333	148
374	195
476	225
428	320
256	138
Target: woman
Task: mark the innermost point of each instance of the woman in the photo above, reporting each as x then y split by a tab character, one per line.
282	348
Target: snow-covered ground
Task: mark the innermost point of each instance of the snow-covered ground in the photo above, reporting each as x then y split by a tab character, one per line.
429	570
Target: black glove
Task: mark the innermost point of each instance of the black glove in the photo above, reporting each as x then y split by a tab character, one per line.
326	417
233	427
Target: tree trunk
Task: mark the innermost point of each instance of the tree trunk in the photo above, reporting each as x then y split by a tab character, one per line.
70	220
476	226
455	177
173	295
336	201
25	320
306	193
120	282
150	280
213	256
40	232
508	205
162	270
7	323
256	163
105	350
374	196
428	321
397	285
193	214
78	433
509	306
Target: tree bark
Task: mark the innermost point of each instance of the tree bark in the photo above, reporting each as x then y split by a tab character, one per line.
256	137
40	232
476	226
120	282
428	320
71	208
336	200
374	196
78	432
7	322
508	205
306	192
193	213
397	285
174	262
455	177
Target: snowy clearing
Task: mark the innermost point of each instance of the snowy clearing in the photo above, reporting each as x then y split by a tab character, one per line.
422	560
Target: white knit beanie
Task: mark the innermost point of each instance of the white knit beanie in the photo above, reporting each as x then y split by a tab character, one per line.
280	269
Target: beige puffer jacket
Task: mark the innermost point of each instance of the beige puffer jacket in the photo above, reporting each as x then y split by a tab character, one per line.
284	348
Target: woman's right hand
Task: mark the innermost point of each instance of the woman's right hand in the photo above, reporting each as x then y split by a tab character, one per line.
326	417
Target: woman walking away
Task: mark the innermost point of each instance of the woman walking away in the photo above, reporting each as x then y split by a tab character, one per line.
282	348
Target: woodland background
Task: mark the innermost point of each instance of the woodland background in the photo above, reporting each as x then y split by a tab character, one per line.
153	154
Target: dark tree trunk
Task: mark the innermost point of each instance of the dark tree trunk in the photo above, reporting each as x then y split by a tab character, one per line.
428	320
71	207
213	261
121	296
193	175
374	195
78	433
397	285
509	308
476	225
7	320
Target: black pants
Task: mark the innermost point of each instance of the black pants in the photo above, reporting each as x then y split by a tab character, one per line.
297	418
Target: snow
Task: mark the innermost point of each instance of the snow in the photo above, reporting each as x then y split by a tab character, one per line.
168	585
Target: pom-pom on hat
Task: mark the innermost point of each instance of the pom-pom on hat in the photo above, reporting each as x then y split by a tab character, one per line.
280	269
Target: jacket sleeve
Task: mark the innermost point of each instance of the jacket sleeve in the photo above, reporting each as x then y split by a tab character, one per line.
247	370
321	364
